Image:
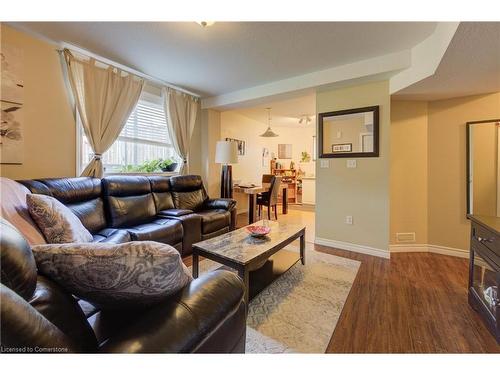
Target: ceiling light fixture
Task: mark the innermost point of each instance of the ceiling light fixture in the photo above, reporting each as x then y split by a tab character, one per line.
305	118
205	23
269	132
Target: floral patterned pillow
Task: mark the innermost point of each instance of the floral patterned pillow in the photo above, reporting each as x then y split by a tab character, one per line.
56	221
111	276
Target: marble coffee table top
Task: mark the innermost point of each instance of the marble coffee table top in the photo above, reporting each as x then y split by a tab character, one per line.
238	246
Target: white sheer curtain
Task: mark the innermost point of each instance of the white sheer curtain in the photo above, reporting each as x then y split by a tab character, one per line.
105	96
180	110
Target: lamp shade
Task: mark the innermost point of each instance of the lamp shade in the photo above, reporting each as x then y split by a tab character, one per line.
226	152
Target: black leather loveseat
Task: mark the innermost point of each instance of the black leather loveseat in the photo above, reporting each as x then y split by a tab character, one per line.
172	210
39	316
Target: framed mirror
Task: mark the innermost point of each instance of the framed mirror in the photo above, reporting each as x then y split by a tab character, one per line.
350	133
483	168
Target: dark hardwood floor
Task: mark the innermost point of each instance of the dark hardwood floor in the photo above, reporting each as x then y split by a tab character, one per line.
412	303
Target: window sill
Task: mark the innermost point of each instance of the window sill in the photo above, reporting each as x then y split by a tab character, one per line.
142	174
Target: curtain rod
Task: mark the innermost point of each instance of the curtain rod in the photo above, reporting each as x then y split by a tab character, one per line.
124	68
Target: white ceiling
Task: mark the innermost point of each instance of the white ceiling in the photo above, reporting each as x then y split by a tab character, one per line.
471	65
285	113
231	56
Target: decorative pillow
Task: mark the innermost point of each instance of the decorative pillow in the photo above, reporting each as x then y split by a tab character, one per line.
56	221
127	275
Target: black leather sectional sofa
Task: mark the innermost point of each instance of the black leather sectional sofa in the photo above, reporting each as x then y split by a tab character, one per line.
39	316
172	210
208	315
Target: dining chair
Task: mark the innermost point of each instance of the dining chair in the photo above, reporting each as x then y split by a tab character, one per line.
266	179
270	200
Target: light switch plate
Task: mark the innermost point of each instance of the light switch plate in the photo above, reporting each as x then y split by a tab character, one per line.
348	220
351	163
324	163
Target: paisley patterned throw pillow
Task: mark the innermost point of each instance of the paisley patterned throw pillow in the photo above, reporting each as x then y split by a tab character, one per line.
111	276
56	221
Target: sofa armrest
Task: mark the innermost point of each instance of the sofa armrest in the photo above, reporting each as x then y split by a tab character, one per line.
22	326
174	212
208	315
191	225
219	203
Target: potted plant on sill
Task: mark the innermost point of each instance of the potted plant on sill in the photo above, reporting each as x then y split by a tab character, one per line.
168	165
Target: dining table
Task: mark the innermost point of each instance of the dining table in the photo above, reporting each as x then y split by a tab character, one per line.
252	192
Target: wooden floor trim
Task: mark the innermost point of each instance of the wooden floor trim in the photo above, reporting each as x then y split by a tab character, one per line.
429	248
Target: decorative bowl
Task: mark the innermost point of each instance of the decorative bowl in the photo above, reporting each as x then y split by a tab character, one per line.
258	230
170	168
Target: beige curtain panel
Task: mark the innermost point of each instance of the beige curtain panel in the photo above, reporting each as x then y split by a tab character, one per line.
180	110
105	96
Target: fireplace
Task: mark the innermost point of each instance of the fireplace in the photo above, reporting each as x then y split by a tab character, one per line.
484	275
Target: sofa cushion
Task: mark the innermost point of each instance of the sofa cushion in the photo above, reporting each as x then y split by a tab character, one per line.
91	214
83	195
66	190
129	200
164	230
214	220
190	200
160	186
112	235
113	276
56	221
188	192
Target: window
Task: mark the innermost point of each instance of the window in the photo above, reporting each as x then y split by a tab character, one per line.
144	138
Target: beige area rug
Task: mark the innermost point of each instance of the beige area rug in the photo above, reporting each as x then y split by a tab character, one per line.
298	312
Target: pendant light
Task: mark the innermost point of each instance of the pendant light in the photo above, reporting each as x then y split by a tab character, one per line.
269	133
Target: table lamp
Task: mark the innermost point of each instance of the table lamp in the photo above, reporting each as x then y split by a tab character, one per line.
226	153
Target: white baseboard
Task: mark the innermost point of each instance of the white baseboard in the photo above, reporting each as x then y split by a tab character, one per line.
461	253
409	248
353	247
429	248
399	248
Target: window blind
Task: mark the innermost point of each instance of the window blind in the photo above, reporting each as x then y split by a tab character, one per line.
147	123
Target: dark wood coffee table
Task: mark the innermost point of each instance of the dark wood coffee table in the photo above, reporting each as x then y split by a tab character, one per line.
243	253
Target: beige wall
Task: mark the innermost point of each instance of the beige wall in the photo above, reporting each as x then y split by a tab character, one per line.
362	192
484	157
428	167
409	170
448	225
49	124
195	154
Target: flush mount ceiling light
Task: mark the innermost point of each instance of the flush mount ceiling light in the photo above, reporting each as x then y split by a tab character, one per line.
205	23
305	119
269	132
